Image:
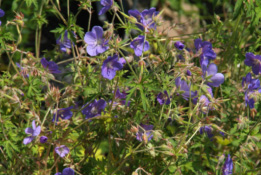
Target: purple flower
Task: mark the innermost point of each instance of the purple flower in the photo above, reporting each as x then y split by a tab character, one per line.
94	109
254	61
66	43
139	45
207	52
120	95
2	13
185	89
110	66
43	139
163	98
120	99
34	132
63	113
179	45
96	43
23	72
189	73
51	66
228	166
145	129
62	150
66	171
251	84
106	6
207	130
216	78
145	19
253	89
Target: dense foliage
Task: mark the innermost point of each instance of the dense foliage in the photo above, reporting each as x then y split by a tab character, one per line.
141	102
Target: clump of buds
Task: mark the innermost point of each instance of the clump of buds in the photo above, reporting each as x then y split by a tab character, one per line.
52	96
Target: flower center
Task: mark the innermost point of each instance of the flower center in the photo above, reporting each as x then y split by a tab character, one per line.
94	110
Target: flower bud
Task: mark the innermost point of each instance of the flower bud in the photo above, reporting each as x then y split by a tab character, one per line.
43	139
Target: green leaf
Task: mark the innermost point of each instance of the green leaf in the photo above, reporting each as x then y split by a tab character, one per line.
237	9
143	98
30	2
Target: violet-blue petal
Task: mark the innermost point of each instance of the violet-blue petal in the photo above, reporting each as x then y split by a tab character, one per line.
228	166
207	130
62	150
135	13
198	43
96	43
216	80
37	131
106	6
256	68
139	45
212	69
28	140
179	45
68	171
29	131
163	98
250	59
2	13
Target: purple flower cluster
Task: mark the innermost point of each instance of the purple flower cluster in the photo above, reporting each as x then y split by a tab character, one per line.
65	43
139	45
51	66
207	53
96	43
110	66
228	166
144	133
145	19
94	109
252	87
33	132
66	171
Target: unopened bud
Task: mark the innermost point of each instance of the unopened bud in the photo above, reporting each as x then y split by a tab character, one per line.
134	129
142	63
